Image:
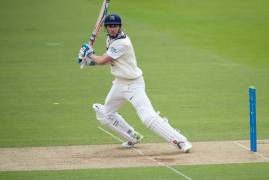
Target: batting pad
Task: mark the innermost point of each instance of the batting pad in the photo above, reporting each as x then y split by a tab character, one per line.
99	110
164	129
116	123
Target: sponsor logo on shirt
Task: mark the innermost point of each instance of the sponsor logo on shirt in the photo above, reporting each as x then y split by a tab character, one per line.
113	50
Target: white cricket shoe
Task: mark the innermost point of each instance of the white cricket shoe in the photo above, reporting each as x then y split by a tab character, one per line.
185	146
129	144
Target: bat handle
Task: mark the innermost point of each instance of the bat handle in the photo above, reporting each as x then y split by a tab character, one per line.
82	66
83	62
92	38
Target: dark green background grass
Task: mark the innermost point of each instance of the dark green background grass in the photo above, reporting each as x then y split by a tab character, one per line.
198	58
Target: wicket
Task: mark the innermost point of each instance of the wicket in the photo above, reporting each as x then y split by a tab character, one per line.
252	118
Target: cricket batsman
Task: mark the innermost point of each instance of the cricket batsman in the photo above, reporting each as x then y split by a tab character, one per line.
128	85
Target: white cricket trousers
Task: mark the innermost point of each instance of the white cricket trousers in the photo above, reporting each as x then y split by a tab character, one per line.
132	91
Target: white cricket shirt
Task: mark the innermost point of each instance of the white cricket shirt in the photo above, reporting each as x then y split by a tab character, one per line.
124	65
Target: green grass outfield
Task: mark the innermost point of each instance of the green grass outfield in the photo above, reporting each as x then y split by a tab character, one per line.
198	58
206	172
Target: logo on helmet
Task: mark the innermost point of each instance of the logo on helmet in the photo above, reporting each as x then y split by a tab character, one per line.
112	18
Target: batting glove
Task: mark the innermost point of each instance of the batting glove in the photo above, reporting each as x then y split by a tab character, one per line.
85	51
89	62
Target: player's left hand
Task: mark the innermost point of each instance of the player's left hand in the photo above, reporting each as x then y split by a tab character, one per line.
88	62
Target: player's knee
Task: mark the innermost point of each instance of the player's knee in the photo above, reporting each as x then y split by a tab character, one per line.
101	116
112	118
99	110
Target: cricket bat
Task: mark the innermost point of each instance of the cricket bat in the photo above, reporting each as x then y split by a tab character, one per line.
96	30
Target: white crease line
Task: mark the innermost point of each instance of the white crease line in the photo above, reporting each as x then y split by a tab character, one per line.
245	147
115	137
163	164
148	157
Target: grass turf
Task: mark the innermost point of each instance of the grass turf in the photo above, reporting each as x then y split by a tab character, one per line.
205	172
198	61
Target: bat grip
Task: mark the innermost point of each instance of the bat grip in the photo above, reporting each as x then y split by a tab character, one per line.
92	39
